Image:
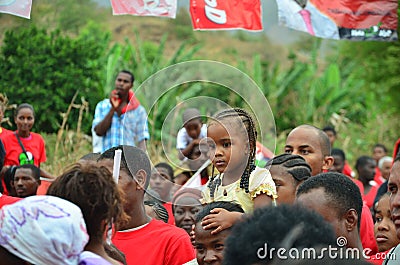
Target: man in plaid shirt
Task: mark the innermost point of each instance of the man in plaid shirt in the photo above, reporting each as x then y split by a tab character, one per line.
120	119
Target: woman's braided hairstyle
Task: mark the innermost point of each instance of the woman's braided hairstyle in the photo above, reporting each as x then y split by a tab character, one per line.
246	119
295	165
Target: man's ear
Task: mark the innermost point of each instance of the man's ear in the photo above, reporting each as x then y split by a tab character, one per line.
328	162
351	220
140	179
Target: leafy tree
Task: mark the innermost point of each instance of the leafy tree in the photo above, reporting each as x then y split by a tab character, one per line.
47	69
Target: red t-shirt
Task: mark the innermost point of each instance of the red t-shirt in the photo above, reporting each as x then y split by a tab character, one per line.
367	235
359	185
34	144
378	258
4	200
347	170
43	187
369	198
378	176
155	243
4	132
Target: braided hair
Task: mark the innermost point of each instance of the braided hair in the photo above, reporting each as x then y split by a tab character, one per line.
295	165
247	121
159	210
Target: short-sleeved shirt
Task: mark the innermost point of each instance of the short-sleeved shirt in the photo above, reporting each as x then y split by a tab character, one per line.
4	132
183	139
5	200
155	243
34	146
260	181
128	129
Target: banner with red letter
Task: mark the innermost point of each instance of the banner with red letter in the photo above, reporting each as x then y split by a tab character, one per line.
21	8
341	19
226	14
157	8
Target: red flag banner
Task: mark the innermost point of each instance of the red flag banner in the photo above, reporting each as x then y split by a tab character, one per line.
224	14
341	19
21	8
158	8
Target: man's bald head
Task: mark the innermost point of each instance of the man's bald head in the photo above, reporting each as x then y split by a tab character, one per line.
311	143
322	137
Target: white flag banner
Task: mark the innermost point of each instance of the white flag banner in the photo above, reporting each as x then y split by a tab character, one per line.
21	8
158	8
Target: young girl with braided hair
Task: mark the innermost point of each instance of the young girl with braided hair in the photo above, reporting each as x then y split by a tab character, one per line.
231	137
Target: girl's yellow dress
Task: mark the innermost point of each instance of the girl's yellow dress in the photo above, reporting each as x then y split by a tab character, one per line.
260	181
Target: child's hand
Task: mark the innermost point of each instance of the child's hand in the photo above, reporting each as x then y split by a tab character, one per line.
220	219
196	141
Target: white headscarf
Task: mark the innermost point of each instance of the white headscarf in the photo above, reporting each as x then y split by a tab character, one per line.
43	230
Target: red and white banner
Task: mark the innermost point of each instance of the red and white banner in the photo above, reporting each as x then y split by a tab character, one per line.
226	14
157	8
21	8
341	19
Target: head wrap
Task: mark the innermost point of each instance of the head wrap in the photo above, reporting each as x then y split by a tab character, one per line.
43	230
186	192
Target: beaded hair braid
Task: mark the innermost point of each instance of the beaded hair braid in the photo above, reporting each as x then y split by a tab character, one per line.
247	121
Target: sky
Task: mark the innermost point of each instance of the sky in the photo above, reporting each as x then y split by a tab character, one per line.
276	33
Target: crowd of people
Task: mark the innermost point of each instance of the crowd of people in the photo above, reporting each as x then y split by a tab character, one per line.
113	206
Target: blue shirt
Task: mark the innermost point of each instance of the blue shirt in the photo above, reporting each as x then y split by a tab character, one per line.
128	129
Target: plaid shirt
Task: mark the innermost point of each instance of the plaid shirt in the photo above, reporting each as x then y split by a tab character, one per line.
128	129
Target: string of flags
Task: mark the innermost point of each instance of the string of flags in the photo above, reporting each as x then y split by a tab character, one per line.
334	19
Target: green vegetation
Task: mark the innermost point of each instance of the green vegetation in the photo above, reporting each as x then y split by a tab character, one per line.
66	69
49	69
